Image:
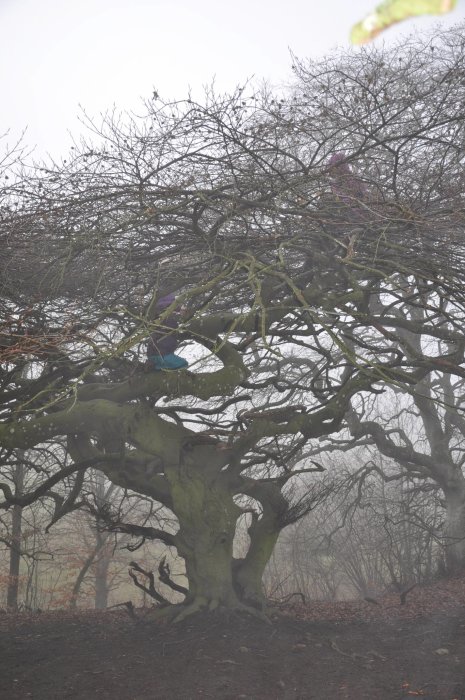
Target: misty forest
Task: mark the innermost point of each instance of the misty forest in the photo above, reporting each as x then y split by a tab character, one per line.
232	358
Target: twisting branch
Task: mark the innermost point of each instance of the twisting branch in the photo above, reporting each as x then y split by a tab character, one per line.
150	589
164	574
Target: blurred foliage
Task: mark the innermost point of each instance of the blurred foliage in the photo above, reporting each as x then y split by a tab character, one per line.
390	12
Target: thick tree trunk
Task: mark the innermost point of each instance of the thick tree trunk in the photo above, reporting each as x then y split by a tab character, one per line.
204	505
248	572
455	527
207	518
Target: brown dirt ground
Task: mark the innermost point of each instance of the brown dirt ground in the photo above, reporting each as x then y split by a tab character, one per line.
319	651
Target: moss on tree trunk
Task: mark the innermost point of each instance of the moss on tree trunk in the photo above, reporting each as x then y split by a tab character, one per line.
207	518
248	572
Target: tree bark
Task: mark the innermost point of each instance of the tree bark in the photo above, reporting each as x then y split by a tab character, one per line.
248	572
263	532
207	518
102	563
101	579
454	529
16	529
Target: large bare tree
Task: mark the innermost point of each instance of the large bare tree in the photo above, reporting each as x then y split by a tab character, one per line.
279	222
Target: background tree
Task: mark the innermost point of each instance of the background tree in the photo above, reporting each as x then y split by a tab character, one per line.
232	205
362	542
431	449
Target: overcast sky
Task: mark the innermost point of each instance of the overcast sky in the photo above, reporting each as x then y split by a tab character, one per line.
58	54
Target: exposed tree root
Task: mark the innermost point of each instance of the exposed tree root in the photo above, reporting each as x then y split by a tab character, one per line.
197	605
178	612
164	613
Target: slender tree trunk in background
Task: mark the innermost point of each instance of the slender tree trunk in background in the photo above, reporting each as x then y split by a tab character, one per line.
80	578
102	560
15	558
102	566
98	557
16	527
455	527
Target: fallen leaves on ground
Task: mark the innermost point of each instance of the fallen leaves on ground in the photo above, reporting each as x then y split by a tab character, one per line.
443	596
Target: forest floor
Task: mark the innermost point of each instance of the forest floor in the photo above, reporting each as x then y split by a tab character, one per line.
319	651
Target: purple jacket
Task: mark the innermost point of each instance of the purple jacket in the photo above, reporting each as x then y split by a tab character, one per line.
347	187
164	340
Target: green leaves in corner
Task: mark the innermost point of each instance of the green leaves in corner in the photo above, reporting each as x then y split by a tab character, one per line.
391	11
